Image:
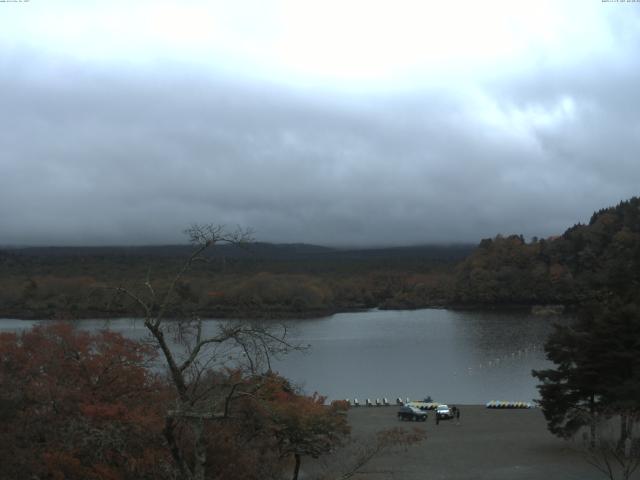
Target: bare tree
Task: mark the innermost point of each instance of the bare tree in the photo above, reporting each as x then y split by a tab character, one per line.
356	455
614	450
191	353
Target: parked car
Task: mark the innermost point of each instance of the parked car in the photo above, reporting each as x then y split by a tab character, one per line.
443	412
408	413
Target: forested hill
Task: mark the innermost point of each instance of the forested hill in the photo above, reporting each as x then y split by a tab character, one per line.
251	257
259	280
587	261
597	260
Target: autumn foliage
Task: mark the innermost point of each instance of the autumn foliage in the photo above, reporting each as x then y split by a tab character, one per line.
303	425
76	405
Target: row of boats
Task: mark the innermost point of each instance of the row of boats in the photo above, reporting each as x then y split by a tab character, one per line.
430	405
384	402
504	404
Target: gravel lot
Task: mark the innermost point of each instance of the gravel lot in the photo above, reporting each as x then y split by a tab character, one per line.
487	444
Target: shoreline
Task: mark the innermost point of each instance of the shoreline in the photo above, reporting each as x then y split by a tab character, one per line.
538	310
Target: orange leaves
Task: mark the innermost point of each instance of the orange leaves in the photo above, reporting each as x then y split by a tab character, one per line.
64	466
301	424
340	406
557	272
79	405
104	411
76	405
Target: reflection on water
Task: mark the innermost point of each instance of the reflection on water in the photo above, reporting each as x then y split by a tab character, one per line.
456	357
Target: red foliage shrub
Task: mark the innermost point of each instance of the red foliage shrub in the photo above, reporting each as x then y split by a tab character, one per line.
76	405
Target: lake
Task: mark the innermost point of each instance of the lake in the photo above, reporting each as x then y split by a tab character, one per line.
453	356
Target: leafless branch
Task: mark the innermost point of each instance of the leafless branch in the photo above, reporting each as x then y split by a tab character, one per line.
201	394
146	307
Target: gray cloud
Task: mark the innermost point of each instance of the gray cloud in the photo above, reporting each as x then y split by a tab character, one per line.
98	154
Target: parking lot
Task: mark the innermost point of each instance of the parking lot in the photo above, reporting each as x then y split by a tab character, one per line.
486	444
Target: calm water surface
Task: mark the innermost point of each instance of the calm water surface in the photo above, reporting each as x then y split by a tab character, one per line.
456	357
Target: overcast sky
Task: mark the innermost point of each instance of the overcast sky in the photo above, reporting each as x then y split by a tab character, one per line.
337	122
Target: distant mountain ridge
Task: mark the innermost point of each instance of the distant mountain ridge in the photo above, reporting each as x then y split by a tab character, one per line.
263	280
274	251
171	250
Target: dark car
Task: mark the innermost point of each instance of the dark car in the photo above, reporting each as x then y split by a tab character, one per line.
408	413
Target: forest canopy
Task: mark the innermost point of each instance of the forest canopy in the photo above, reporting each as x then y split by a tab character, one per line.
588	261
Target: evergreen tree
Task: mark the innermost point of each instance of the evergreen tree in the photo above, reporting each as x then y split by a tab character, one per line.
597	371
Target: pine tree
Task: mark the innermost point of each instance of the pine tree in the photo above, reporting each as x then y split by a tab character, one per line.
597	373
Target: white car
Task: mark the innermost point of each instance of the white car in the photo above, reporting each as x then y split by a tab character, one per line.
443	412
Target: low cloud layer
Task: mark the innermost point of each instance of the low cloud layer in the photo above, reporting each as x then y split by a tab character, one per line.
133	154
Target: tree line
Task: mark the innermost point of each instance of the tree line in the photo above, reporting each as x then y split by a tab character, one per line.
184	403
586	262
583	263
592	393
